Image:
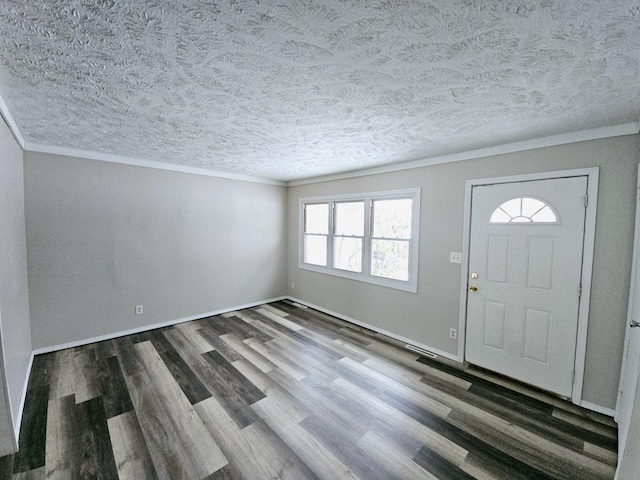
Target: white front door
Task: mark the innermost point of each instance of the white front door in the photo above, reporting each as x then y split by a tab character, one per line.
525	264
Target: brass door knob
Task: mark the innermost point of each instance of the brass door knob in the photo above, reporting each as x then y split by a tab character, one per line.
473	288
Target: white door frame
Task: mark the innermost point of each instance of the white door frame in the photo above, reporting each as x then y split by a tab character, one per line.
592	175
625	430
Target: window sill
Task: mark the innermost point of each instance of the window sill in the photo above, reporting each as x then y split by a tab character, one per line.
411	287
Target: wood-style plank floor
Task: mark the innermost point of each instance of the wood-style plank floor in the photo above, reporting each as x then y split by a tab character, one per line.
283	391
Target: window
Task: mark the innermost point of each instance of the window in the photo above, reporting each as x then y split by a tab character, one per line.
316	233
371	237
524	210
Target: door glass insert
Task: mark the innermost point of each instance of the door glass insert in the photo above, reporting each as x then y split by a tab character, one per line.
524	210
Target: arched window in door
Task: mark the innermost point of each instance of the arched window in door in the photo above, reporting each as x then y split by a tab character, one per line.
524	210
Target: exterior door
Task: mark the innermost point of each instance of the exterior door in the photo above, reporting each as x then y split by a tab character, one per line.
525	265
628	398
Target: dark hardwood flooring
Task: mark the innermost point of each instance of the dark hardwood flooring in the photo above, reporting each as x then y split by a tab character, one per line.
283	391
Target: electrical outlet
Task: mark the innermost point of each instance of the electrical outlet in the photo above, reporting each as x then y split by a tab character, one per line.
455	257
453	333
139	309
293	285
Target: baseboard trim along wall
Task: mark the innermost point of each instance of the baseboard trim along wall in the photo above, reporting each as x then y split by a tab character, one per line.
598	409
378	330
54	348
23	398
587	405
110	336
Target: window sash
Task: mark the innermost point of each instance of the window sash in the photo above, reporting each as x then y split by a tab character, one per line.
361	267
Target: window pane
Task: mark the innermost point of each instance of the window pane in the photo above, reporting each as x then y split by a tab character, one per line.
315	250
531	206
512	207
316	218
499	216
349	218
545	215
392	218
390	259
347	253
523	210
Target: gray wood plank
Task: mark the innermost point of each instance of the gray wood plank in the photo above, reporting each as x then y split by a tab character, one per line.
253	452
319	459
130	449
171	428
282	391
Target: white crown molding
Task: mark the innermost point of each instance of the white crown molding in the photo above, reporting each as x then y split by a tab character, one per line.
11	123
631	128
138	162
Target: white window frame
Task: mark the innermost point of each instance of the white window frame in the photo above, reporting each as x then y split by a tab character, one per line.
411	285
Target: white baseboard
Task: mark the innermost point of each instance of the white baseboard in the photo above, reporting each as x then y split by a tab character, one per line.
609	412
588	405
23	399
377	329
110	336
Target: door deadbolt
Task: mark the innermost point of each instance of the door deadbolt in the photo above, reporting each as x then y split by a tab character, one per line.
474	275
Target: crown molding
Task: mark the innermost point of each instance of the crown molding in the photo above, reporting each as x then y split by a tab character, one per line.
631	128
138	162
11	123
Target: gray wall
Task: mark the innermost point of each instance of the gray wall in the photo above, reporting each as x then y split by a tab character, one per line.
427	316
104	237
14	300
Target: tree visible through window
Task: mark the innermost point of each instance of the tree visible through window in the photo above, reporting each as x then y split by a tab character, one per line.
369	237
390	238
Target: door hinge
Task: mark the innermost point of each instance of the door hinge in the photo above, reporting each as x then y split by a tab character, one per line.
573	377
579	290
586	201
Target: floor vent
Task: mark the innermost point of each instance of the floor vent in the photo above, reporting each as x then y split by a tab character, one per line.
421	351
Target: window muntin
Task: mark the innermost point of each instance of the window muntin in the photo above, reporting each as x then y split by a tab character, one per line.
370	237
524	210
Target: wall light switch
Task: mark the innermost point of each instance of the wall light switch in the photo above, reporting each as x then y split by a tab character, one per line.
455	257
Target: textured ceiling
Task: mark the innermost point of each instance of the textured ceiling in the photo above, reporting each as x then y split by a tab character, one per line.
298	88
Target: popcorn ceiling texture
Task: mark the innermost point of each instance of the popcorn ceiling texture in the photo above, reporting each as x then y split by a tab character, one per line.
297	88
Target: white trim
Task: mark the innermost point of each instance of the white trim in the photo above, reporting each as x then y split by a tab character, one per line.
138	162
23	399
414	242
5	386
588	249
109	336
597	408
550	141
592	175
11	123
375	329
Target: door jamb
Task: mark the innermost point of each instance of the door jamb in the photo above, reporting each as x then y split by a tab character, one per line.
592	175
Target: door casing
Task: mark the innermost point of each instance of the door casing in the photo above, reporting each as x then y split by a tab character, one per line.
592	175
628	404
